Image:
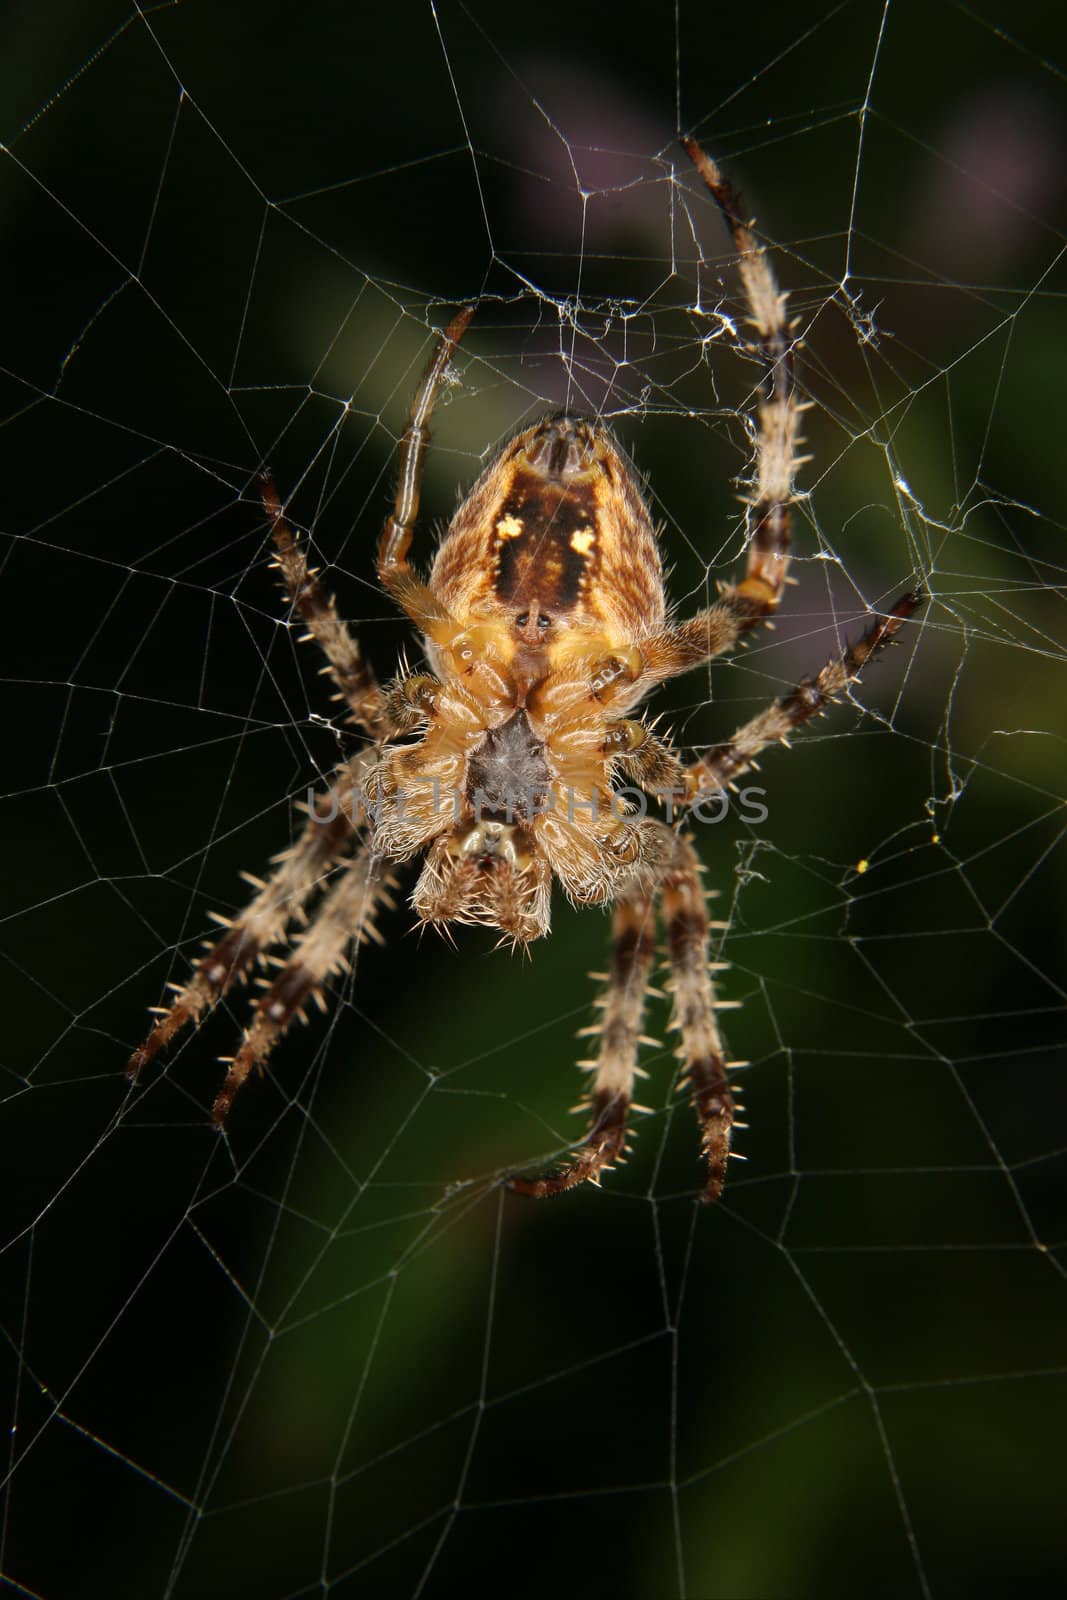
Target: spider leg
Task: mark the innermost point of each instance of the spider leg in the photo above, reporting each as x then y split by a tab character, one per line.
619	1029
298	873
743	606
648	762
768	556
346	914
685	921
353	676
394	570
724	762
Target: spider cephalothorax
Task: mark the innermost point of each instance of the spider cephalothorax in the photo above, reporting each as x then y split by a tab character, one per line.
506	763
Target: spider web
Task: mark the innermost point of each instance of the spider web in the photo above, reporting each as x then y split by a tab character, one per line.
327	1353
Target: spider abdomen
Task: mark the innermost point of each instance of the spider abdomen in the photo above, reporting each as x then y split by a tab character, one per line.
557	527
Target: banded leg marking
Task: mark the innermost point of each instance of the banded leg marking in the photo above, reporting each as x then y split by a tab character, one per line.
768	557
685	920
743	606
345	916
354	677
619	1031
724	762
298	872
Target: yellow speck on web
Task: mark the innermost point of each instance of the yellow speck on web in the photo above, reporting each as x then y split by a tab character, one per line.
861	866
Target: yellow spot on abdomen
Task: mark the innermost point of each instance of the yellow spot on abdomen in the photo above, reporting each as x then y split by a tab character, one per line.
509	527
583	540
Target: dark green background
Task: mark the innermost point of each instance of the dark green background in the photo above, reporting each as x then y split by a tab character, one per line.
331	1355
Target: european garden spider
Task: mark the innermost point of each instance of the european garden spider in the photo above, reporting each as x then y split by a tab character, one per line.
545	625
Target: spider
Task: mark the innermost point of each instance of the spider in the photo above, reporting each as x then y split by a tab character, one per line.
545	625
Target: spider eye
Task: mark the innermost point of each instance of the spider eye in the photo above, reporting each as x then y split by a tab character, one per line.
544	622
521	621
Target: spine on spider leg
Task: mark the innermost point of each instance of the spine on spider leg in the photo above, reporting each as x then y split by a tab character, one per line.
345	917
225	964
622	1003
622	1007
725	762
756	597
353	675
261	924
685	920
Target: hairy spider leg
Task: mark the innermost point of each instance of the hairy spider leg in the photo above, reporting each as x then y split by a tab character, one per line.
683	909
724	762
298	873
768	559
381	714
394	571
346	915
354	676
744	605
701	1051
622	1003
